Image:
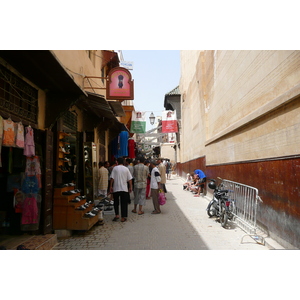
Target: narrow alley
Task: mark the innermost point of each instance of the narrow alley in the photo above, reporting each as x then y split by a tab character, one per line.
182	225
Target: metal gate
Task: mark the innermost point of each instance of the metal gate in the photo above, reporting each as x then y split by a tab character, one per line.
245	204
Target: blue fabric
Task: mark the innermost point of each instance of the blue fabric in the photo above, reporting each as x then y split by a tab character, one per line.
123	146
200	173
114	147
30	185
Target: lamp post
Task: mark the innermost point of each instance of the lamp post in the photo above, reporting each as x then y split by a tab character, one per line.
152	118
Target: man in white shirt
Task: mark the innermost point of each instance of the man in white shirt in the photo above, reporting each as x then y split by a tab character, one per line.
120	177
155	185
162	170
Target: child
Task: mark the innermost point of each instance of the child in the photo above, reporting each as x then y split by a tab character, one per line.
189	180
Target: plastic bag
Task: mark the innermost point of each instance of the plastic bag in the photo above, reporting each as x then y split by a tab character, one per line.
161	198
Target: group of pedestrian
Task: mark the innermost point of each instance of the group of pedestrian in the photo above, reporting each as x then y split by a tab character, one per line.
144	177
195	183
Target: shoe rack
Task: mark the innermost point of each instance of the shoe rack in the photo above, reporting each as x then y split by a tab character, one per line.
62	151
68	214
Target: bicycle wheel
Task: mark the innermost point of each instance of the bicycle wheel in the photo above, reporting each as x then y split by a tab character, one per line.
223	216
211	211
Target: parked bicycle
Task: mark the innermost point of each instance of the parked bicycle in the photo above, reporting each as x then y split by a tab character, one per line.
221	205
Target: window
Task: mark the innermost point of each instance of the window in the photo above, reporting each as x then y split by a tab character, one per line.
17	97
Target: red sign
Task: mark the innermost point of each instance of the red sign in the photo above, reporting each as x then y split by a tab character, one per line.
119	85
169	121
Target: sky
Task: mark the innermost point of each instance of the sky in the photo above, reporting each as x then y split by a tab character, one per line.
155	73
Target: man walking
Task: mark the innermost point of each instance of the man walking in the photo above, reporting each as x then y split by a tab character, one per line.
154	185
102	180
120	177
140	173
162	170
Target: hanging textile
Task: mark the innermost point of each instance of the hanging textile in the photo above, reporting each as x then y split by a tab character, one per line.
30	211
169	121
33	168
123	146
131	148
114	147
30	185
1	137
138	122
20	135
29	146
8	133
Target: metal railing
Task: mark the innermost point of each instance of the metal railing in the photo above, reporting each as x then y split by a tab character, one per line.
245	204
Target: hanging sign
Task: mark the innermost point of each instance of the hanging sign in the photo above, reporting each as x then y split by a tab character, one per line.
138	122
127	65
119	85
169	121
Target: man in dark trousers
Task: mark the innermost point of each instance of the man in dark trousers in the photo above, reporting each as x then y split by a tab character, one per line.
120	177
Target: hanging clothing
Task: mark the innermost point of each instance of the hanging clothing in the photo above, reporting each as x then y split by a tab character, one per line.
114	148
123	148
33	168
131	148
1	137
8	133
30	211
20	135
30	185
29	146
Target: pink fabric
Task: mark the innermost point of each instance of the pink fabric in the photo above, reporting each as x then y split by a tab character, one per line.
29	147
20	135
30	211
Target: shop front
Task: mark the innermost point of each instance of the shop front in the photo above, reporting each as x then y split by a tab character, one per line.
29	110
66	132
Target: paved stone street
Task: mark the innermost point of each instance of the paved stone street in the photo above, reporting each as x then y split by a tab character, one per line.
182	225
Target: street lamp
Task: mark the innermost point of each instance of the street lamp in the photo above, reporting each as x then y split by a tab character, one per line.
152	118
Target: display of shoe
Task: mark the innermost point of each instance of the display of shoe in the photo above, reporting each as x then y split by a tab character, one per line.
76	199
105	202
64	169
68	193
89	215
62	185
81	207
108	208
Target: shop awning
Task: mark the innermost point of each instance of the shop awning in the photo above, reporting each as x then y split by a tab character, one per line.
98	106
43	69
117	108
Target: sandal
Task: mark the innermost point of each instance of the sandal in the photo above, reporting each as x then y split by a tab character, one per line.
123	220
134	211
155	212
115	219
140	213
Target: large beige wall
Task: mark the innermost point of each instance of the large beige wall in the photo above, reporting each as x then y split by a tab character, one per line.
192	143
243	101
78	64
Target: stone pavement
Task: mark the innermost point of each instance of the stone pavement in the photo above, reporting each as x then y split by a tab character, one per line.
182	225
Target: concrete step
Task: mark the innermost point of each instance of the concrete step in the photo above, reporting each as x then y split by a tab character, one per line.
34	242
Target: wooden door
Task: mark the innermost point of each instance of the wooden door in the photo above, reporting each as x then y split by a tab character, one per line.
48	184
